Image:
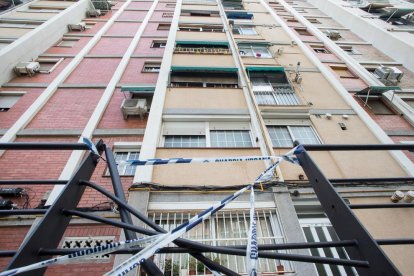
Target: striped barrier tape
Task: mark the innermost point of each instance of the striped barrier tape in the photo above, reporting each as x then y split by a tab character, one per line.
166	238
82	254
154	162
252	251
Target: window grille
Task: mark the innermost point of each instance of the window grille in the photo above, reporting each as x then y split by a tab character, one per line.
226	228
185	141
273	93
230	138
283	136
321	230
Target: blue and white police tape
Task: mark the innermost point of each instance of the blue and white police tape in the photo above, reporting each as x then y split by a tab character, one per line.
82	254
153	162
252	252
166	238
90	145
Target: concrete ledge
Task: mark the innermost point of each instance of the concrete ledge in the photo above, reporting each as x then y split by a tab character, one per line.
176	111
78	132
400	132
332	111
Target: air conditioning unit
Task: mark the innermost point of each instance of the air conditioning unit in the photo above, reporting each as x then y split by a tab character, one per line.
333	34
77	27
93	13
27	68
388	73
134	107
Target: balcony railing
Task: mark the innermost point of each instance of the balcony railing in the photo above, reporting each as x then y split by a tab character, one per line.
205	51
282	95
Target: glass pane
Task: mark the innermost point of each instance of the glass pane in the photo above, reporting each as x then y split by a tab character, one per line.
230	138
185	141
280	136
304	134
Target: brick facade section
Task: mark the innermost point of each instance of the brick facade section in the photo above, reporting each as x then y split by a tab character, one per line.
113	117
123	28
67	109
12	237
76	48
94	71
111	46
133	73
7	119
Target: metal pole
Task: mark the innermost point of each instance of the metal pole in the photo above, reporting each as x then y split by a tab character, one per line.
42	146
350	147
49	232
346	225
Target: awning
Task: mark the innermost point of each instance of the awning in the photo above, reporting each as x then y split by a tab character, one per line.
376	90
239	15
250	69
203	69
197	42
139	90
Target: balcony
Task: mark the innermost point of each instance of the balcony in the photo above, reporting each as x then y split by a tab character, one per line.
203	50
281	94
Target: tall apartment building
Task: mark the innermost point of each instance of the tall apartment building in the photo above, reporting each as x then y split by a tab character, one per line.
203	78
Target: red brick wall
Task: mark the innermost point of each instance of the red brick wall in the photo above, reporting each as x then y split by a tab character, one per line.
140	5
70	50
133	73
111	46
113	117
144	47
151	29
11	238
123	28
67	109
132	15
7	119
94	71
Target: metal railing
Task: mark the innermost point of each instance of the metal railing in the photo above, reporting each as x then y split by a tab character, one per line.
202	50
282	94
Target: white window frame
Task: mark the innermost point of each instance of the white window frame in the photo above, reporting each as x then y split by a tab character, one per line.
232	221
246	30
125	147
153	65
5	107
291	123
324	223
252	51
204	128
162	43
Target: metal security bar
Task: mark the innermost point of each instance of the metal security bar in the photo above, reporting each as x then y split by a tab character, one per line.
344	221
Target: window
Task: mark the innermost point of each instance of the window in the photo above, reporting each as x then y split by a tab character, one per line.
273	89
225	228
254	51
302	31
47	65
151	67
244	30
204	79
314	21
230	138
158	44
343	72
349	49
67	42
185	141
283	136
167	14
377	106
206	134
201	28
126	169
321	230
8	99
164	27
320	49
